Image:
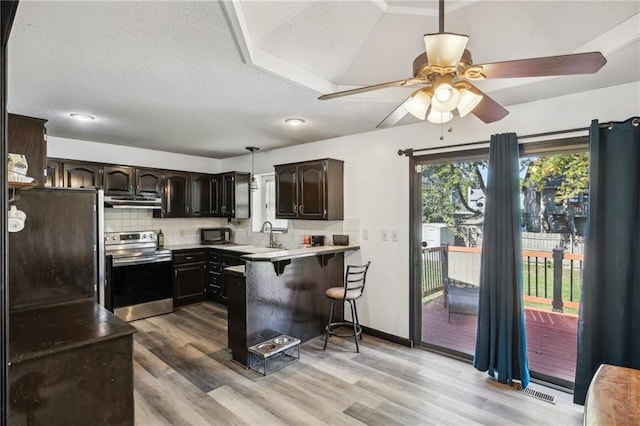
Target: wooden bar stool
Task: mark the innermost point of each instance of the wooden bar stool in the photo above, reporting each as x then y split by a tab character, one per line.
350	291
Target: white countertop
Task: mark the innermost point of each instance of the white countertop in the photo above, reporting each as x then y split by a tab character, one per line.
278	255
266	254
240	248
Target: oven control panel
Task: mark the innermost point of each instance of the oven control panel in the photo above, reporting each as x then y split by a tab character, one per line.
130	237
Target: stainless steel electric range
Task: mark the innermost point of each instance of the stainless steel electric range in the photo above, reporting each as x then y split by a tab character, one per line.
139	275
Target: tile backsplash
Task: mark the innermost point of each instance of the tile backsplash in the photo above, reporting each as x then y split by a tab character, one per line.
186	230
176	231
297	229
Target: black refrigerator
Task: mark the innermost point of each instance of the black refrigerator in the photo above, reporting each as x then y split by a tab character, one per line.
58	256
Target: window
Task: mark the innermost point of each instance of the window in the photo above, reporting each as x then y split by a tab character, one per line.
264	205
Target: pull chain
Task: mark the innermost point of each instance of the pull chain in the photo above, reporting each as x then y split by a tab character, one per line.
450	129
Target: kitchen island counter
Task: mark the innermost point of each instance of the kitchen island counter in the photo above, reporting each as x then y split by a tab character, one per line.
276	255
282	292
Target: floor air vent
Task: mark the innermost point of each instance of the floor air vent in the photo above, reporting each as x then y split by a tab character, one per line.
536	394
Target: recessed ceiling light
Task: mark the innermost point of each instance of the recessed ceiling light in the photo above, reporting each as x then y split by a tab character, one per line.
294	121
82	117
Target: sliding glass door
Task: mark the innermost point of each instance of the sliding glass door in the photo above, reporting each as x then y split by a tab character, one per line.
449	206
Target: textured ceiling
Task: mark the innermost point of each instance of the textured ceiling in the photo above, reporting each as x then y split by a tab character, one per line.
209	78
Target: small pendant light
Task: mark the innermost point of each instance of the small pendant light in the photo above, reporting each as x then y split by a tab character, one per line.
253	184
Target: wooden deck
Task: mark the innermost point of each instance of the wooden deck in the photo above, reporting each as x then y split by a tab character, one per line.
551	337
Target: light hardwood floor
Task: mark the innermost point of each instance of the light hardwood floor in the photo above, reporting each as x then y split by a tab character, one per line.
184	375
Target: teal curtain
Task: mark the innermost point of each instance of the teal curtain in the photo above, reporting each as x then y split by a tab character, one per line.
501	342
609	321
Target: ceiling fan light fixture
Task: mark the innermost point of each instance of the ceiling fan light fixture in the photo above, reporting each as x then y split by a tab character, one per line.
445	97
418	103
438	117
468	101
445	49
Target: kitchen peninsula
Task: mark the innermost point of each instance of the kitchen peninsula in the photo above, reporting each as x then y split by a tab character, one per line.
281	292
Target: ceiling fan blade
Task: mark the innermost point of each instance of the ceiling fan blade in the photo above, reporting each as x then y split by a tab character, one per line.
397	83
487	110
578	63
395	116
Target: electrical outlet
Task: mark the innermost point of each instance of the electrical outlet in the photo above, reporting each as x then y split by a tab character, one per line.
394	236
384	235
365	234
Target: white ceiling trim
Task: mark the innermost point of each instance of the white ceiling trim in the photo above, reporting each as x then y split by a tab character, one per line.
239	30
265	60
608	43
381	4
616	38
291	72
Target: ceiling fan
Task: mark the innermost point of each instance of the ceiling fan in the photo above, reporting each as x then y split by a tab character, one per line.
446	70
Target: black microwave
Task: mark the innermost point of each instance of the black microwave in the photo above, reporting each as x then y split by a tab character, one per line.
215	235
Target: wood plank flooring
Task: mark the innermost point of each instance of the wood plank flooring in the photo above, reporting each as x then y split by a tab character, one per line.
184	375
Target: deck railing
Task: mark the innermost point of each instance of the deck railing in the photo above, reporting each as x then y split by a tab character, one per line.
548	277
434	269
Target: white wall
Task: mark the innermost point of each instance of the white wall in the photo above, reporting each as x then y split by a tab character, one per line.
377	179
75	149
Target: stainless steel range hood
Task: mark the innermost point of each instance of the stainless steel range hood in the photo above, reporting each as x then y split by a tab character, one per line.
124	202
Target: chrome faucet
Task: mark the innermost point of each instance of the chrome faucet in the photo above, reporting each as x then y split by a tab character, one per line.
264	226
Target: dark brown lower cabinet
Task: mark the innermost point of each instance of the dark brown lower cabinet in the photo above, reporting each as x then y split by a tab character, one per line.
71	364
237	316
188	277
263	305
217	260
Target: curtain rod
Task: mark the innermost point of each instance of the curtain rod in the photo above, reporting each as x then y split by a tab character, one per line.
410	151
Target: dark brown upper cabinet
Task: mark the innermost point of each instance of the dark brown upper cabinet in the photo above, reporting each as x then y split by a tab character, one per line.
175	202
221	195
81	175
287	191
232	195
183	194
311	190
149	182
53	178
201	195
216	191
117	180
28	136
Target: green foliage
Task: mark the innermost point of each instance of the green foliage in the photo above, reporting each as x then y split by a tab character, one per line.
445	189
573	168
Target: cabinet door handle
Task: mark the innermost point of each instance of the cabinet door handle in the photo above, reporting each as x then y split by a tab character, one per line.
301	209
295	209
189	257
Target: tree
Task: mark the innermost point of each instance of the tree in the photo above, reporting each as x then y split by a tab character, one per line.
573	168
445	188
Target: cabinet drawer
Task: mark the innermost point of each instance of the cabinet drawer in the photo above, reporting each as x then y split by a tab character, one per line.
191	257
214	291
213	277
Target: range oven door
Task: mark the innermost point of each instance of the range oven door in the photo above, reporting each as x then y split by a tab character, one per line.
138	290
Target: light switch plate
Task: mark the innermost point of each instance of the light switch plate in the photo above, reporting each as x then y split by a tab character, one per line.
365	234
394	236
384	235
